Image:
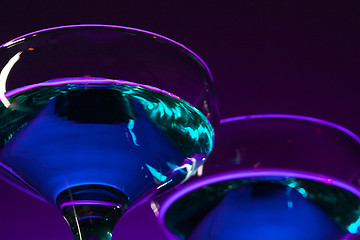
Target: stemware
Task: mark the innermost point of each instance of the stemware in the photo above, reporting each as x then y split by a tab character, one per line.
271	177
95	119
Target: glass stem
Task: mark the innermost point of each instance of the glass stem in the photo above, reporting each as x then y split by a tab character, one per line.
92	222
92	211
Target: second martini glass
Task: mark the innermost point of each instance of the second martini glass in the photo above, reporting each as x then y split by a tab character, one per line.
96	119
274	176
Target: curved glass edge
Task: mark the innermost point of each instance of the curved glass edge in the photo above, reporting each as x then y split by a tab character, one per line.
22	37
294	117
16	180
241	174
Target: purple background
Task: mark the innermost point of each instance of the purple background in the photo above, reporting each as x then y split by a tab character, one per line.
293	57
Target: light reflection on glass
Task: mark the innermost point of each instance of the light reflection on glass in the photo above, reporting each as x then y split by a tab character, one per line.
3	76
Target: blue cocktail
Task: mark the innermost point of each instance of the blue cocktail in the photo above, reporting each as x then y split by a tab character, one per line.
97	119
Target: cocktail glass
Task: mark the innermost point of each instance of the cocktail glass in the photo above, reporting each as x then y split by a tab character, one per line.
96	119
274	176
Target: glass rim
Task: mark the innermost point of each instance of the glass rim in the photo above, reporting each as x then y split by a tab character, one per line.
71	26
293	117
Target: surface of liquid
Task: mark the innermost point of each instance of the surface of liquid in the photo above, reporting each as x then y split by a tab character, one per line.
265	208
66	133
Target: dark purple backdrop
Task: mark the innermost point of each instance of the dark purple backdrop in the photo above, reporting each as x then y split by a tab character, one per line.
295	57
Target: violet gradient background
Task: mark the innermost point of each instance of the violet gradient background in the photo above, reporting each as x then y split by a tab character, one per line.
293	57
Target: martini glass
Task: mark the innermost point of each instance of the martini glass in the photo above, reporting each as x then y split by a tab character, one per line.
274	176
96	119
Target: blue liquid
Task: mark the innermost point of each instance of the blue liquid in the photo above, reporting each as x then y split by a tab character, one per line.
274	213
138	140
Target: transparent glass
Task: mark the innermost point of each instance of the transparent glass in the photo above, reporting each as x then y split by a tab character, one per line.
95	119
271	177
